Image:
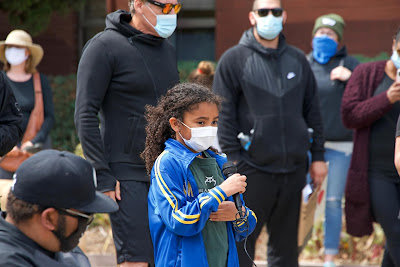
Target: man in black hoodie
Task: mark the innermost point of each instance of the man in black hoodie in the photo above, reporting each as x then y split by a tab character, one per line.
122	69
271	95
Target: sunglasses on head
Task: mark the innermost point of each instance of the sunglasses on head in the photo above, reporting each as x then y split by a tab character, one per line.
166	8
79	215
263	12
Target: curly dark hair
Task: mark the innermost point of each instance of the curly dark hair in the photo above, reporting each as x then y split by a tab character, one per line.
181	98
20	210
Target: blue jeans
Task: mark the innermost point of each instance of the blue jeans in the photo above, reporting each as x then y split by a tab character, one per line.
339	163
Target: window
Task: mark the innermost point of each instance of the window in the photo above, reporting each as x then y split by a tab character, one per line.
194	38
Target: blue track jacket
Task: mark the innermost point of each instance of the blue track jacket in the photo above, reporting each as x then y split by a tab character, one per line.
178	213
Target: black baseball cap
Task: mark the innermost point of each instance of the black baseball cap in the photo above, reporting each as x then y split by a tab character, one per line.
60	179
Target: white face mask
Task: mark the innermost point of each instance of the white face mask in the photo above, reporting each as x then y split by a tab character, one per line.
166	24
202	137
15	55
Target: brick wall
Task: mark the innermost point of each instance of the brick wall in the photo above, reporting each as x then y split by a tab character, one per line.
59	42
370	23
113	5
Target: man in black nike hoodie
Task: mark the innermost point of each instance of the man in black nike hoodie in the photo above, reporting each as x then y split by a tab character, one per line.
122	69
271	95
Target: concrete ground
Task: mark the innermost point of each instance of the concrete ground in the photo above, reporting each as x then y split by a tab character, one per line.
109	261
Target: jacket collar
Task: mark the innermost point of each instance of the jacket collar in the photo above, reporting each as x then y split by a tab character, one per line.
186	156
249	40
15	234
119	21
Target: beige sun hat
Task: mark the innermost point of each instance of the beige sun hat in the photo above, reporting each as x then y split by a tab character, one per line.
22	38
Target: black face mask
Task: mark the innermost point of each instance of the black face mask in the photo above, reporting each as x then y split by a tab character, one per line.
70	242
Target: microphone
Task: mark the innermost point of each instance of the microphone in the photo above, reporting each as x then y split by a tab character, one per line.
228	169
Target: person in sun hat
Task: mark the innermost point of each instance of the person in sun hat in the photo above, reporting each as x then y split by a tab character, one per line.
332	68
21	57
21	39
51	202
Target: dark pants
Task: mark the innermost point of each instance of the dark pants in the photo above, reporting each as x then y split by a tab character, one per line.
275	199
385	202
130	224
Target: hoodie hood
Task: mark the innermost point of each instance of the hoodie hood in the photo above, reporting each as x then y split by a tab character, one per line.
249	40
119	21
342	52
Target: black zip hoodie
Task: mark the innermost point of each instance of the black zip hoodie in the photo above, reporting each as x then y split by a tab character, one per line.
272	91
121	71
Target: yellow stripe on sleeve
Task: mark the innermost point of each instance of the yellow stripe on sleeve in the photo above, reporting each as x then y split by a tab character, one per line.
203	198
204	202
185	222
219	201
162	185
254	215
222	196
240	224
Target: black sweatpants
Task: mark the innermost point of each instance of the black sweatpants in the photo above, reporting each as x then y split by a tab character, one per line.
275	199
130	224
385	202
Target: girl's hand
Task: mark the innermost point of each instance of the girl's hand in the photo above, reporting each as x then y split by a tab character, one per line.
234	184
226	212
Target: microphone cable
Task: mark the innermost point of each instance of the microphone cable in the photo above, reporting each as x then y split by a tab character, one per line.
241	218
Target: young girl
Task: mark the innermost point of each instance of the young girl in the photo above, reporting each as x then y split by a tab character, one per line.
191	211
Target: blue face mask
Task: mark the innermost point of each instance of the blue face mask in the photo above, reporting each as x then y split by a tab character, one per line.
269	27
166	24
396	59
324	48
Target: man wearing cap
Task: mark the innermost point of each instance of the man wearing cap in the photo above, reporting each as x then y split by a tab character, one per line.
51	202
271	95
124	68
332	69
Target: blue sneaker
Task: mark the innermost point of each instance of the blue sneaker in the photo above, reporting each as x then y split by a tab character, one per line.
329	264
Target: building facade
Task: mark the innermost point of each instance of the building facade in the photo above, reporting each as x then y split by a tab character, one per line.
370	24
59	42
194	38
207	28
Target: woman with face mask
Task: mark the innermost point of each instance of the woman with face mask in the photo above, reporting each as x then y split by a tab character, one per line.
32	91
371	107
332	68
